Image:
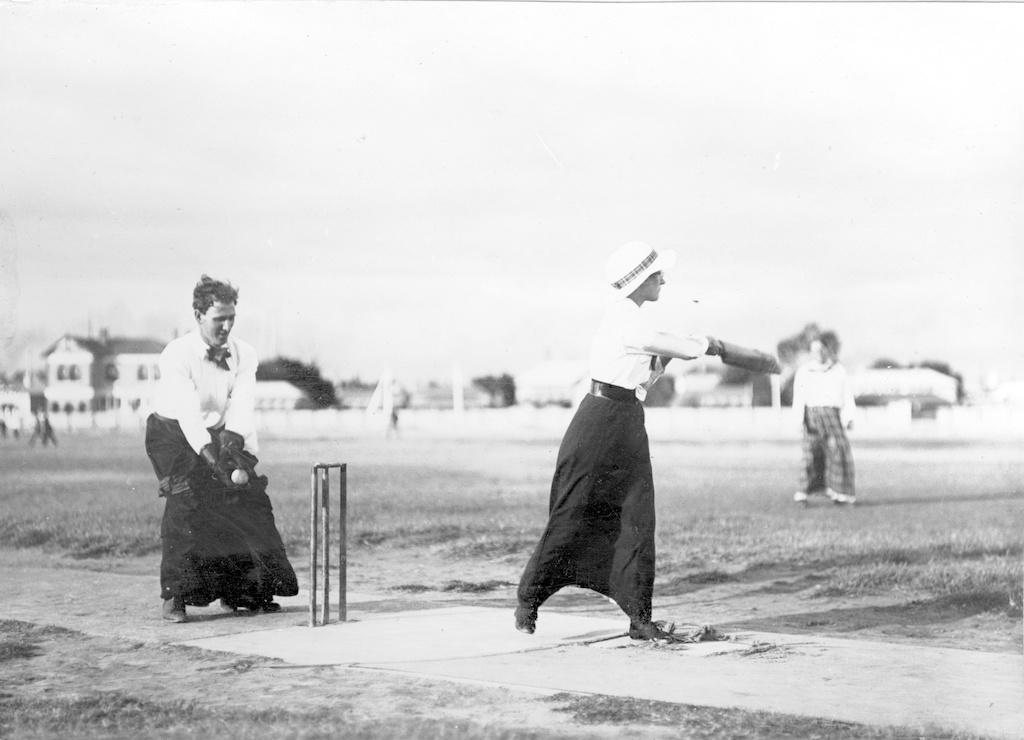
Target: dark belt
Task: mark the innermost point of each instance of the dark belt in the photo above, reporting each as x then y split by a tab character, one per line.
612	392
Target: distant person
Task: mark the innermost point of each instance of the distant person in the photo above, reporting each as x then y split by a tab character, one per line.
392	423
824	406
48	434
220	540
43	431
3	429
600	530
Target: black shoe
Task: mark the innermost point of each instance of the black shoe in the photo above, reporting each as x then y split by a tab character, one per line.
174	610
526	619
270	607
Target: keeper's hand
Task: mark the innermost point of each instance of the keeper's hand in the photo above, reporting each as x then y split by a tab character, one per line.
218	464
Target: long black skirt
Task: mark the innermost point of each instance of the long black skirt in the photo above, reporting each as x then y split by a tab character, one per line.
600	531
217	542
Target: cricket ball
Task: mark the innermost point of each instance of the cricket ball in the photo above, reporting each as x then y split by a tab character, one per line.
239	477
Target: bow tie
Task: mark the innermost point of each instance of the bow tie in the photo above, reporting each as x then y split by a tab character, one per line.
218	356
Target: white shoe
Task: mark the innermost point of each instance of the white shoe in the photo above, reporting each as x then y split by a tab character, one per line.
800	497
840	498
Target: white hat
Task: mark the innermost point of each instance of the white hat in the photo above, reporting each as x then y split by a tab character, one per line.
634	262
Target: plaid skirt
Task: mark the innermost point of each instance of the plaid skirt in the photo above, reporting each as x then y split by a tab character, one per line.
600	529
828	460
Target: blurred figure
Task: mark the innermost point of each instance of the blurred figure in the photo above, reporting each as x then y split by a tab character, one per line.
823	403
43	430
392	430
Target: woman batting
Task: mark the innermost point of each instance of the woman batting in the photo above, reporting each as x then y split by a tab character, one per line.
600	530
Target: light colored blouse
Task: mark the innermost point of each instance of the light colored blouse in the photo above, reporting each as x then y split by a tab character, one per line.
201	395
817	384
617	354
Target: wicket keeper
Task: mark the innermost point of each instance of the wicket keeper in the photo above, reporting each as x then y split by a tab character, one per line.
219	537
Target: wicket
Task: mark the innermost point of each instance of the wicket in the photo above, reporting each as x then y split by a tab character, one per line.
320	515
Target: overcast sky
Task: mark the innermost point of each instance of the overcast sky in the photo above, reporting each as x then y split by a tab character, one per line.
409	185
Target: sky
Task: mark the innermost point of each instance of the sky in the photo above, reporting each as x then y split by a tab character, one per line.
416	185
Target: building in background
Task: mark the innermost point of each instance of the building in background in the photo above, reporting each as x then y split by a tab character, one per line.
925	389
86	374
280	395
553	383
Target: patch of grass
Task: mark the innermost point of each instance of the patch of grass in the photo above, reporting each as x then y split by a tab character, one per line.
709	722
492	545
20	640
10	650
966	579
116	714
467	587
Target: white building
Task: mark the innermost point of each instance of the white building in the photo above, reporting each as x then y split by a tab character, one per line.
880	385
99	374
280	395
553	383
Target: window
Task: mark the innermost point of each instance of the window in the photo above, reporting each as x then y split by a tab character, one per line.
111	371
62	372
82	407
55	407
75	372
68	408
156	372
143	373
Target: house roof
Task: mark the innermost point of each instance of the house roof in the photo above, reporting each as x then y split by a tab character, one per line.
111	346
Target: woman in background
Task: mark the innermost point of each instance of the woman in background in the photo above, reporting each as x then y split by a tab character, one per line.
823	402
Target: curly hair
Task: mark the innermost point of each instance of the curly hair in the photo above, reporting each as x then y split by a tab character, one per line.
209	291
830	340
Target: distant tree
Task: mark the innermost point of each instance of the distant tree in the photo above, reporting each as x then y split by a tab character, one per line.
945	369
884	363
501	388
304	377
791	348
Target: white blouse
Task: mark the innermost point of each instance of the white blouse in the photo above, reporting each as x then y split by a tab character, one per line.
617	354
823	385
201	395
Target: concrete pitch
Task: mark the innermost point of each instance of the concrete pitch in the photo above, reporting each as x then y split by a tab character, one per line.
848	680
413	637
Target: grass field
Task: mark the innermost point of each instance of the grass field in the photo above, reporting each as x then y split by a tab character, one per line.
933	521
930	554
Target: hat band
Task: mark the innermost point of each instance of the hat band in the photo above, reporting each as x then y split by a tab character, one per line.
644	264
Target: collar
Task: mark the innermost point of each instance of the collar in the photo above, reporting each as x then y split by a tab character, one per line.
201	348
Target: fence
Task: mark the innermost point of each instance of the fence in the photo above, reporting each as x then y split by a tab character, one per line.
663	424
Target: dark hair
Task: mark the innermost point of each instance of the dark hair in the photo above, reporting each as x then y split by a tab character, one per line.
209	291
830	340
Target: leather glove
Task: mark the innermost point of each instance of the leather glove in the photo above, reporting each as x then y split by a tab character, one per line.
229	440
238	460
217	463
